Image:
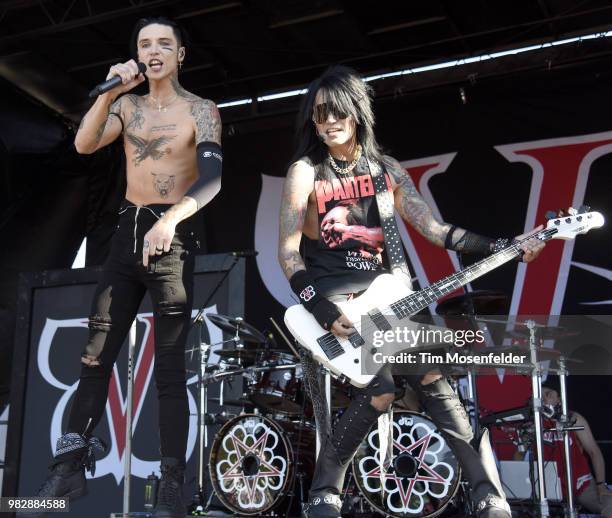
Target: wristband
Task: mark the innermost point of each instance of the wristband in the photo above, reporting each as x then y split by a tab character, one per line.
304	286
469	242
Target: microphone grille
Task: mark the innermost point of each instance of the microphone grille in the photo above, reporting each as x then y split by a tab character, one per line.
142	68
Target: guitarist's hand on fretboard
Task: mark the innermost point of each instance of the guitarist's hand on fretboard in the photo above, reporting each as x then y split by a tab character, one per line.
531	247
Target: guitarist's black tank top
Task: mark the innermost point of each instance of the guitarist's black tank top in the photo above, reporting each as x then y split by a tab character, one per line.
348	254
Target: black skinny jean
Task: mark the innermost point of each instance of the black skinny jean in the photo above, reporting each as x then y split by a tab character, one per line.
122	285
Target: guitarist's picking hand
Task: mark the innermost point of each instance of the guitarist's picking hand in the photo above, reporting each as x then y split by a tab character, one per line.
531	247
342	326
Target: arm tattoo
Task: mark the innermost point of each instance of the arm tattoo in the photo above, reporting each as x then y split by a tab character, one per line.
116	108
413	208
205	114
291	262
208	121
292	217
100	132
136	118
144	149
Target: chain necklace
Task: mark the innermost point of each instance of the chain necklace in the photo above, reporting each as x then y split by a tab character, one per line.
160	107
348	168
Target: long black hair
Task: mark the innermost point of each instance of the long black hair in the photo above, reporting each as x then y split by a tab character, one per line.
341	87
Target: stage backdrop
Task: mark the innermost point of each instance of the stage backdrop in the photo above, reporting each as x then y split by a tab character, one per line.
517	148
52	331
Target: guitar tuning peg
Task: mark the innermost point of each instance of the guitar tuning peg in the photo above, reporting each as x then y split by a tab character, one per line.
572	211
583	209
550	214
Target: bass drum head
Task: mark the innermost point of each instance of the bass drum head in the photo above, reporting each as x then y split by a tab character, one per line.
251	464
423	476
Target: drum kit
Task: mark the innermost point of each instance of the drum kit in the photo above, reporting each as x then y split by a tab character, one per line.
261	460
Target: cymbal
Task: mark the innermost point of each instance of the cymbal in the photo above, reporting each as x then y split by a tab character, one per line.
250	353
241	353
238	402
547	352
542	331
246	331
545	333
485	302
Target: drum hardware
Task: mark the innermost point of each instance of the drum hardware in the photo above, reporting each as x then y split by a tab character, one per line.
511	416
523	330
536	334
469	304
284	337
199	506
243	331
563	372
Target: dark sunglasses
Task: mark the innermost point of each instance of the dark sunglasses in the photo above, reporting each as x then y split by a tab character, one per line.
321	112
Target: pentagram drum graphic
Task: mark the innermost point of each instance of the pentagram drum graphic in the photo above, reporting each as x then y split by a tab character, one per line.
254	461
422	477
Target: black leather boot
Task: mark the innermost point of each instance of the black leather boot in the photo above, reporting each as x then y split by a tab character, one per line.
335	455
170	493
66	478
478	464
493	507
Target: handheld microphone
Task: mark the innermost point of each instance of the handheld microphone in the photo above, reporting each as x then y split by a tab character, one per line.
113	82
245	253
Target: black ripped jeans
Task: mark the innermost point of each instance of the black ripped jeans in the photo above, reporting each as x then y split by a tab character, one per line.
122	285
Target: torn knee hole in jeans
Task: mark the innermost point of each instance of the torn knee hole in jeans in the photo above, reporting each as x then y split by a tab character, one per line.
90	361
171	309
98	323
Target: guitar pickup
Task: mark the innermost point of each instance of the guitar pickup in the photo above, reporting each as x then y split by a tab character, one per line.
379	320
356	340
330	345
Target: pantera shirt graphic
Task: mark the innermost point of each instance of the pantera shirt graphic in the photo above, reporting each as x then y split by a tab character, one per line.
348	253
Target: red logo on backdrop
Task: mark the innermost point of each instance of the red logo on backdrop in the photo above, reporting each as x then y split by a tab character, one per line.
560	171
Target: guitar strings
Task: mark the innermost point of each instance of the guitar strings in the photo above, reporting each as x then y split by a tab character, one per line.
543	235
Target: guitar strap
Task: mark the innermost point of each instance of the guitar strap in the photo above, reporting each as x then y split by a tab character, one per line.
398	267
393	241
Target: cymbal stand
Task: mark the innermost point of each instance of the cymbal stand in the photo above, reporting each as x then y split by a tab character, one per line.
200	497
536	388
474	411
572	513
204	349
